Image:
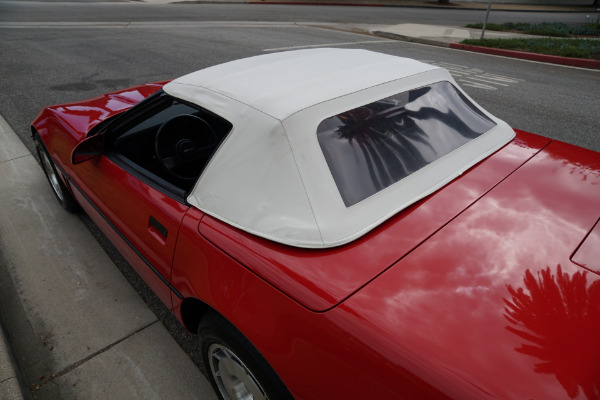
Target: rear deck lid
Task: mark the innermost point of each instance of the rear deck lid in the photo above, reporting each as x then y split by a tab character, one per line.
588	252
491	306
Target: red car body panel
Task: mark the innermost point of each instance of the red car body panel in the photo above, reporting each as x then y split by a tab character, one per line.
492	300
437	323
62	126
118	202
469	293
321	279
588	253
129	204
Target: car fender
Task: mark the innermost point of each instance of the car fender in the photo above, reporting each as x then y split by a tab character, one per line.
301	345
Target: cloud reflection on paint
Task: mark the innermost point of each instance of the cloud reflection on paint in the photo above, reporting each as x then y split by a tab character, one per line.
558	316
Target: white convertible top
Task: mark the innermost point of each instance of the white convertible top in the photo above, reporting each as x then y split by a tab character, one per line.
270	177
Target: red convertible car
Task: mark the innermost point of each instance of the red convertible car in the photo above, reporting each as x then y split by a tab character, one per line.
343	224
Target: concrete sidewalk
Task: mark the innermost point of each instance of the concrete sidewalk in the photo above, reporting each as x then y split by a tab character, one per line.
440	35
10	377
451	36
78	328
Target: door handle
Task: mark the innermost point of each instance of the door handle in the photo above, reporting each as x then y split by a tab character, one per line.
154	225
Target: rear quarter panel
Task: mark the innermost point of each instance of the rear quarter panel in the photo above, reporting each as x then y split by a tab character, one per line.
433	325
491	306
321	279
315	355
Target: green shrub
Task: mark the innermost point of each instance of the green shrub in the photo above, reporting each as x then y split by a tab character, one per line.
555	29
549	29
491	27
579	48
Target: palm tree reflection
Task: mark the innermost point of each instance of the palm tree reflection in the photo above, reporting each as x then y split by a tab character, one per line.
396	141
389	139
558	316
390	156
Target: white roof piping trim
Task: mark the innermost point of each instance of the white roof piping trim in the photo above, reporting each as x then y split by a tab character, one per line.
374	87
345	240
223	78
262	195
269	176
294	243
339	224
424	194
312	210
181	95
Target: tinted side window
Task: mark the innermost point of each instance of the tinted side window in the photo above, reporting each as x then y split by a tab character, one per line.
371	147
169	142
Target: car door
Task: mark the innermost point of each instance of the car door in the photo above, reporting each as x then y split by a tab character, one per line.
135	199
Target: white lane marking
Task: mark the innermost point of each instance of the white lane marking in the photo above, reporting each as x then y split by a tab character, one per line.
501	78
477	85
477	78
309	46
487	81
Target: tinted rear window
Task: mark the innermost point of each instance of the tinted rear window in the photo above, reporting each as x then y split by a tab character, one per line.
374	146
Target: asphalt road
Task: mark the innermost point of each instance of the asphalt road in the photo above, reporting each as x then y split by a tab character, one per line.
100	47
45	63
116	10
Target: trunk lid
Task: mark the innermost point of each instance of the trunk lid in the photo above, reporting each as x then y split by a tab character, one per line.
492	306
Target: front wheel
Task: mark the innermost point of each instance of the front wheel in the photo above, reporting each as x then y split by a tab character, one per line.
234	367
61	192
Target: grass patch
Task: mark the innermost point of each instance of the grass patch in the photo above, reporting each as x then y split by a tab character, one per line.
554	29
578	48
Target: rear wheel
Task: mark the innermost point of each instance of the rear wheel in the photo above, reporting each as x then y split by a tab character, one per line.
235	368
61	192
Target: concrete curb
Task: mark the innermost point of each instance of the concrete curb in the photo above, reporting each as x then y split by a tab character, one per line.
573	62
569	61
411	39
10	382
78	327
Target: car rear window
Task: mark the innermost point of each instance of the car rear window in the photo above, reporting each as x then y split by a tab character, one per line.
376	145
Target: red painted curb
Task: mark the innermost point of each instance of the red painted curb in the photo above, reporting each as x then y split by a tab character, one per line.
574	62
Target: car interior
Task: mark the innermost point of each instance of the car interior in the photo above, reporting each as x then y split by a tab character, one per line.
170	142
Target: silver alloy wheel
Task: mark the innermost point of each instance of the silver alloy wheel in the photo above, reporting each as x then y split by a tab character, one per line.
52	177
234	380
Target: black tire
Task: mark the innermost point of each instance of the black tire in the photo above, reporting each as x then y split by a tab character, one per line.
241	368
62	194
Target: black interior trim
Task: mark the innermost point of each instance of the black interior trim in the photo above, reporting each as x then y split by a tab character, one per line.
153	180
